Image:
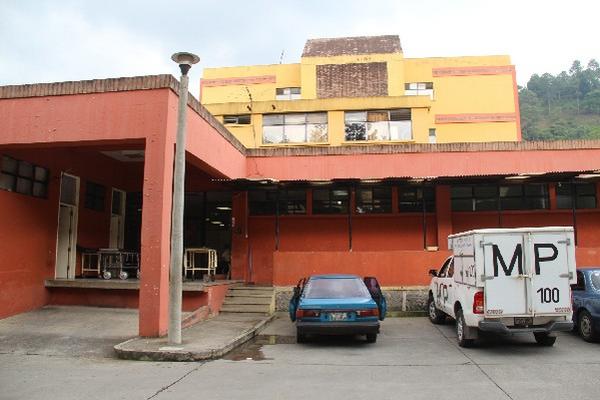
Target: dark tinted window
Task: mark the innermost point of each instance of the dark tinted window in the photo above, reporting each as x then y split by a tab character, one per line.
330	201
410	199
584	193
262	202
335	288
374	200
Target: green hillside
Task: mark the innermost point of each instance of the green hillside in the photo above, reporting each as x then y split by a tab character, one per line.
563	106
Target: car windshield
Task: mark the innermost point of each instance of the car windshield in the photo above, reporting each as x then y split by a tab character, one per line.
335	288
595	278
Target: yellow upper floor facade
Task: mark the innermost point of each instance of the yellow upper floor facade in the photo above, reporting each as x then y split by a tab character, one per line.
346	91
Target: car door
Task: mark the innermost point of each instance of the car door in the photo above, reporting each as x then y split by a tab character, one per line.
295	300
444	286
377	295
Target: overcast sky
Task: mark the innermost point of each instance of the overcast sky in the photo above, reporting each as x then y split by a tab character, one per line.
58	40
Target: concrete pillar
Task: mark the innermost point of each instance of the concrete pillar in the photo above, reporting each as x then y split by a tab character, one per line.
156	233
443	213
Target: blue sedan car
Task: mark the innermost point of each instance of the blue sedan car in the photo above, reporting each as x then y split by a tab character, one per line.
586	303
337	305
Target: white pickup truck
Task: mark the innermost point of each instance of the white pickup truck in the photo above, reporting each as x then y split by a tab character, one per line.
506	281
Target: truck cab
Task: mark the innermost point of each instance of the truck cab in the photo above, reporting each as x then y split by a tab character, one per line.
506	281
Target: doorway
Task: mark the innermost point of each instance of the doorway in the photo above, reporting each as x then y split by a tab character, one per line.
117	220
67	227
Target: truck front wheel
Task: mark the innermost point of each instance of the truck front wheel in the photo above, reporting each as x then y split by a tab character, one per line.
460	330
436	316
544	339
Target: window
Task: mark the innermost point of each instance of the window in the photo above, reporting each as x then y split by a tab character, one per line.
289	93
378	125
330	201
432	136
262	202
23	177
410	199
374	200
474	198
585	195
524	197
292	201
295	128
419	89
243	119
94	196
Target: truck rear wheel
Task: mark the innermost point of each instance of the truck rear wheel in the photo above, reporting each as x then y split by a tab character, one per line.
460	330
544	339
436	316
371	337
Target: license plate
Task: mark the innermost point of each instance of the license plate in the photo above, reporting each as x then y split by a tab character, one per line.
523	321
338	316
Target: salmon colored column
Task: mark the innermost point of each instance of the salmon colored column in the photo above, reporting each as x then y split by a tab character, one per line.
239	245
156	234
443	213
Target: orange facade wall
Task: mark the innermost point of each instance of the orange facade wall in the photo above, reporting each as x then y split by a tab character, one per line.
392	268
212	297
29	224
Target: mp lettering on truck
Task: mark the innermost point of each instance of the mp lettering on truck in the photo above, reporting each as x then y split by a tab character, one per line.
517	258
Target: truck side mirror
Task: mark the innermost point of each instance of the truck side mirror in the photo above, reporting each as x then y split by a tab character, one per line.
433	272
296	291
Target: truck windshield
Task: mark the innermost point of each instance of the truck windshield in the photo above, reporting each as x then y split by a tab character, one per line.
335	289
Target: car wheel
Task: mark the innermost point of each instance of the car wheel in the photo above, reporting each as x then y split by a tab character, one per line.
585	326
436	316
460	330
123	275
371	337
544	339
106	275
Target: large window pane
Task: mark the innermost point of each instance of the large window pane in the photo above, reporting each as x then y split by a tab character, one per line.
330	201
400	130
262	202
295	133
317	133
273	134
374	200
378	130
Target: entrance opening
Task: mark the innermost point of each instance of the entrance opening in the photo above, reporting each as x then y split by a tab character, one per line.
67	227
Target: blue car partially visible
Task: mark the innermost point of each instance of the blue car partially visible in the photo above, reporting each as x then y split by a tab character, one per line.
586	303
337	305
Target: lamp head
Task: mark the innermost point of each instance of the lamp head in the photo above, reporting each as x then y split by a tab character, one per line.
185	60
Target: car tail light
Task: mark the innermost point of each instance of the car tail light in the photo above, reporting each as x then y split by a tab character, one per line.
300	313
478	303
371	312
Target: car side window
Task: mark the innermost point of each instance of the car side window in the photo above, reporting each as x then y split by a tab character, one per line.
450	273
444	269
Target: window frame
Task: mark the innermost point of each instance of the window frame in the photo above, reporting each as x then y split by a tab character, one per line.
359	120
567	198
32	179
237	119
307	124
327	204
94	200
427	196
377	204
288	93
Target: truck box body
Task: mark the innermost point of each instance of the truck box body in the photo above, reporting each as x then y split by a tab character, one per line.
524	272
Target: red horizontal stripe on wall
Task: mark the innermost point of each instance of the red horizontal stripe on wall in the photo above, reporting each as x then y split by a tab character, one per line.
243	80
478	70
470	118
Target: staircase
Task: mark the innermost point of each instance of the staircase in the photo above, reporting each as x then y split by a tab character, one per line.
249	299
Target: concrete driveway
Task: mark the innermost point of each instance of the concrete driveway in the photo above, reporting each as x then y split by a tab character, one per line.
412	359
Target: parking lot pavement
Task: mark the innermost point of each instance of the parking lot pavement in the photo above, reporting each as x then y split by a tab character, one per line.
412	359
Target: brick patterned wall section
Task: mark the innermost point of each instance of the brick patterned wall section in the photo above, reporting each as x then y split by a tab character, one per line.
352	80
424	148
352	46
147	82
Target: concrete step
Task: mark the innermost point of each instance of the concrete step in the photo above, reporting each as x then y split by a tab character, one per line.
246	308
251	287
253	293
264	300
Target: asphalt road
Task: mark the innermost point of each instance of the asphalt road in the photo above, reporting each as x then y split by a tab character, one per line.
412	359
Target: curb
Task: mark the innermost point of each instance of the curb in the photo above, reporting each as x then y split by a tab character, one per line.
184	355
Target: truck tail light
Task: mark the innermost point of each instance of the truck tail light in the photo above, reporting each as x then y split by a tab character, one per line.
300	313
371	312
478	303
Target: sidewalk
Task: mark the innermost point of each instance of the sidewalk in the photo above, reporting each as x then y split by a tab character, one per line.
206	340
